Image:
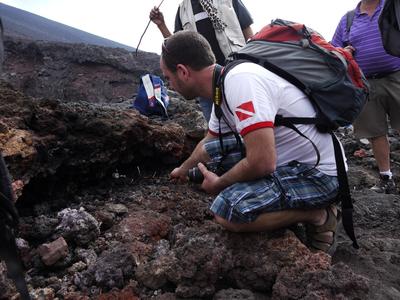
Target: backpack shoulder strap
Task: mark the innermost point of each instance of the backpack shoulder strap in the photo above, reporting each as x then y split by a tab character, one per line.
219	78
349	19
344	192
290	123
218	96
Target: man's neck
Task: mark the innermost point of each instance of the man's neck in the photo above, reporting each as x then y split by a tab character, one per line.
205	82
369	6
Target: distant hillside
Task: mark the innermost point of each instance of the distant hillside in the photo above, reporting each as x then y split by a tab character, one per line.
23	24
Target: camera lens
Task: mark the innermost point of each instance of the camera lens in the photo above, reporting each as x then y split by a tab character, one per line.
195	175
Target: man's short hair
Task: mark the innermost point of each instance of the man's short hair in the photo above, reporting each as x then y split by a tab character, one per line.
188	48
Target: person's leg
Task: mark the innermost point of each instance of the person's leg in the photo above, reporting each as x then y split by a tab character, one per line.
389	89
393	101
372	124
292	194
275	220
321	225
381	149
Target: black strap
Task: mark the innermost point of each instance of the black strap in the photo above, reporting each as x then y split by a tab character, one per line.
349	22
344	192
288	122
349	19
218	96
217	100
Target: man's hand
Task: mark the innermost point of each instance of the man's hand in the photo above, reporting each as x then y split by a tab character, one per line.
179	175
350	49
211	180
156	16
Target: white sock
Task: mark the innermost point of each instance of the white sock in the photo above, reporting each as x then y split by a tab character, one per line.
388	173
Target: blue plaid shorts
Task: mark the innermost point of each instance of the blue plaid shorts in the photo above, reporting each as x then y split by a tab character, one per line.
294	186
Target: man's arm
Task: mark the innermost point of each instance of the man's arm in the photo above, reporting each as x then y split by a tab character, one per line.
244	17
247	33
199	154
157	17
260	161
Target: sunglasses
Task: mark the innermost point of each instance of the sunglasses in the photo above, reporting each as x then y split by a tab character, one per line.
164	46
169	60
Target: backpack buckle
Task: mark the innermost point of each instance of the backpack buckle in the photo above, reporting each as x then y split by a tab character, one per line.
305	43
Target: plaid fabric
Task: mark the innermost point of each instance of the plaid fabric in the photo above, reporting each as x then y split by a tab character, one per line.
232	150
295	186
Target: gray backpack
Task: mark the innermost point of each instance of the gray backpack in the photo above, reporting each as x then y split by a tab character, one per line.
389	22
327	75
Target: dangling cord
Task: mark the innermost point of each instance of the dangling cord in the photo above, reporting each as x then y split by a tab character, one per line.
148	23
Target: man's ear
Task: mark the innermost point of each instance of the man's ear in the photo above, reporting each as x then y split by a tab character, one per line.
183	71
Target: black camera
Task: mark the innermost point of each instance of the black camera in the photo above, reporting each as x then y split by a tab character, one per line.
196	176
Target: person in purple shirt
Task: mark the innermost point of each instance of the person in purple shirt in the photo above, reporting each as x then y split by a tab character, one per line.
383	73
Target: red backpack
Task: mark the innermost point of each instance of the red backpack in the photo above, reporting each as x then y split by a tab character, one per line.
327	75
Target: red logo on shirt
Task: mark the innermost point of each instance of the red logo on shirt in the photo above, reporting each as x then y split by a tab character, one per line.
245	111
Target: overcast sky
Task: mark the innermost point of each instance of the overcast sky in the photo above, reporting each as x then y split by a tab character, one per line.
125	20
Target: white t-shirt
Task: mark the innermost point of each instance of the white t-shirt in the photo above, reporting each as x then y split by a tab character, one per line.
255	95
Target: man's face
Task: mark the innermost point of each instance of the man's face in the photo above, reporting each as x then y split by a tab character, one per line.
176	81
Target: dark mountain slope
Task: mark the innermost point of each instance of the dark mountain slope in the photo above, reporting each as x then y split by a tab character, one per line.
22	24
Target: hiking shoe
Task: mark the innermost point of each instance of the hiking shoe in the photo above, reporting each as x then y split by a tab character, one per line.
385	185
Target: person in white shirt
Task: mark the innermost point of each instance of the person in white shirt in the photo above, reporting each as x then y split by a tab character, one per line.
225	24
274	181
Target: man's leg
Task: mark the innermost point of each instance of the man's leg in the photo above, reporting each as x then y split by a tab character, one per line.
276	220
372	124
381	149
321	225
294	193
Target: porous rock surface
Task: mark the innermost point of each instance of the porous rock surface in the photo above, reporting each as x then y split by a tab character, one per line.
76	149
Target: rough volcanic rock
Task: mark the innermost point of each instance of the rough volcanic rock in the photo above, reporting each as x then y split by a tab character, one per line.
78	226
154	239
56	143
75	72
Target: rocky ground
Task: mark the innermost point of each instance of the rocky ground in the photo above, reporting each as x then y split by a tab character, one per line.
101	220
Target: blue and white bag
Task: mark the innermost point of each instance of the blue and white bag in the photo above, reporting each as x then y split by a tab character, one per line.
152	97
